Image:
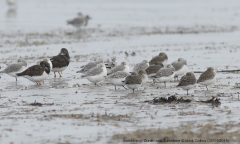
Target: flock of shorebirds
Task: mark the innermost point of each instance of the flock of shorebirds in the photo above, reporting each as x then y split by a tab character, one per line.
157	69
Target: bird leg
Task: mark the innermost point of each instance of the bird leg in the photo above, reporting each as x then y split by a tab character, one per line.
115	88
39	83
165	84
187	92
206	87
133	90
124	87
16	78
59	74
54	74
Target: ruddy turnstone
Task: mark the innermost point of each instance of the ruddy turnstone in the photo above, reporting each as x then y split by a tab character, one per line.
153	69
36	73
49	62
162	57
141	66
208	77
60	62
180	67
117	78
90	65
133	81
187	82
13	69
122	67
96	74
165	74
79	21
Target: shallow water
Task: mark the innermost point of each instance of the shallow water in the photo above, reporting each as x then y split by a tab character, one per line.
117	27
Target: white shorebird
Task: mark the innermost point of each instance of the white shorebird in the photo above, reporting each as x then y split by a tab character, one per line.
13	69
208	77
91	65
79	21
180	67
36	73
117	78
165	74
96	74
187	82
141	66
122	67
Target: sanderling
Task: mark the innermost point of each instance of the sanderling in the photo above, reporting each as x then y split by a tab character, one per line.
187	82
180	67
162	57
165	74
122	67
36	73
153	69
141	66
96	74
208	77
110	64
13	69
79	21
133	81
60	62
117	78
90	65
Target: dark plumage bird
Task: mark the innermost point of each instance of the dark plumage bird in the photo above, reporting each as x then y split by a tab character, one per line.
36	73
208	77
60	62
162	57
187	82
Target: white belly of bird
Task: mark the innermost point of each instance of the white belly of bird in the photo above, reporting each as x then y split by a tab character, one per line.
14	74
166	79
209	82
188	87
145	78
182	71
165	62
109	70
126	69
117	82
98	78
37	78
59	69
133	86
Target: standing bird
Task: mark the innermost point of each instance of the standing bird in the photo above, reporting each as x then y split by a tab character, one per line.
208	77
60	62
90	65
141	66
153	69
180	67
165	74
96	74
117	78
110	64
187	82
13	69
122	67
133	81
79	21
36	73
162	57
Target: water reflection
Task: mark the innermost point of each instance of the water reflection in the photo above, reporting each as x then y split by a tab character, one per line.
11	13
